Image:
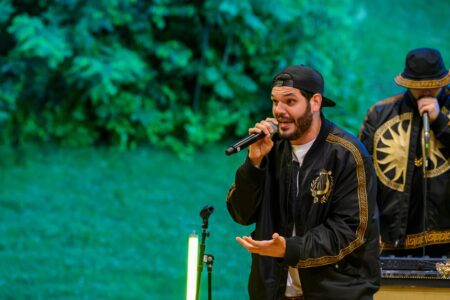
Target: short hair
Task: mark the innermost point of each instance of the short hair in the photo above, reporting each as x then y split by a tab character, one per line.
306	94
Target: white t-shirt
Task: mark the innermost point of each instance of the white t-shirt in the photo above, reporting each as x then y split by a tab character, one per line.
293	284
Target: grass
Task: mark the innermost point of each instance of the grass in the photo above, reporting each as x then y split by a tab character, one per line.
101	224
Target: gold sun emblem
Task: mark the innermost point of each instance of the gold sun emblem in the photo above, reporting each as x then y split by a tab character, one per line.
391	144
439	163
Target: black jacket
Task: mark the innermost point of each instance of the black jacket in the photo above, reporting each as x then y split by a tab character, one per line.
392	133
336	247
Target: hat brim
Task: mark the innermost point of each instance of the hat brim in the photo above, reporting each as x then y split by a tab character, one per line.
327	102
422	84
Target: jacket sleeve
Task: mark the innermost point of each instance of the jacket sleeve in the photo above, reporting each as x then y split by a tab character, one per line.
349	216
441	129
245	194
368	129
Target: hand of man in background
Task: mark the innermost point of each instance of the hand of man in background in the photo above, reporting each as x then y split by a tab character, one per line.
430	105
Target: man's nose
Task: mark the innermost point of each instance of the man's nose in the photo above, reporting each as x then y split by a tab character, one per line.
278	109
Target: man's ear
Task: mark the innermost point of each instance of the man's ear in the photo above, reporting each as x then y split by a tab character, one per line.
316	103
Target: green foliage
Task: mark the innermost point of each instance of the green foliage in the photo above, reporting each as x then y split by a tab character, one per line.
121	72
180	74
35	40
6	9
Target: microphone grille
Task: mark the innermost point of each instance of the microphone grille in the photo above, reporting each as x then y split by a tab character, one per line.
274	127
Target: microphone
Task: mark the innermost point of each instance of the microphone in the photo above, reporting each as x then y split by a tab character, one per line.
426	136
248	140
206	212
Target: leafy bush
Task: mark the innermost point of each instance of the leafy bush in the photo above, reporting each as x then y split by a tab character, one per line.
173	73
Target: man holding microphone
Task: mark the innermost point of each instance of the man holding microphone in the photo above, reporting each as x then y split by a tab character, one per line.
311	191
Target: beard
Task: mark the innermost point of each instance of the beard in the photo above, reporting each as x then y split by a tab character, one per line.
302	124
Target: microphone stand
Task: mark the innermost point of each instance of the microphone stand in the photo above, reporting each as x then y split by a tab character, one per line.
425	155
204	258
209	260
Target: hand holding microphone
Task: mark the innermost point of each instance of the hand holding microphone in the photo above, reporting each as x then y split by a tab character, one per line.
262	147
429	109
429	105
259	140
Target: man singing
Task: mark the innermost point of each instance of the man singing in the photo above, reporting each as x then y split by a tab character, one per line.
311	192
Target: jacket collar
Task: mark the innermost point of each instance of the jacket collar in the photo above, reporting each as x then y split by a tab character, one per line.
325	129
286	148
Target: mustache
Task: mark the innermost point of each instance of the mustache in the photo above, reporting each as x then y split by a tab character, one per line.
284	119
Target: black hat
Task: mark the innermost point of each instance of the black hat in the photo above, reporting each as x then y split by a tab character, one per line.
424	69
303	78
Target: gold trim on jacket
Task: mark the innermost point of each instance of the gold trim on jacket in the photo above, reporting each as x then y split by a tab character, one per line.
421	239
363	209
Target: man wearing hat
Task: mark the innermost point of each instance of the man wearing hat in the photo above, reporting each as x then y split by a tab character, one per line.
408	136
311	192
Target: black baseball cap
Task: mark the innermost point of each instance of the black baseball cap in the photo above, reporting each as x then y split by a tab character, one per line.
303	78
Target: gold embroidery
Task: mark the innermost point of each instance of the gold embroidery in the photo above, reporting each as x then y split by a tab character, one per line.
439	163
418	161
427	238
382	102
422	84
445	111
391	148
363	209
321	187
230	191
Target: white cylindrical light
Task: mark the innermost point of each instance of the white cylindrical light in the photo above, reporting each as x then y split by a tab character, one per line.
192	267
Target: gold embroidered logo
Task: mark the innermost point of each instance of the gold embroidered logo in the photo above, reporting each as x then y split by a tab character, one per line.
391	144
418	161
391	148
321	187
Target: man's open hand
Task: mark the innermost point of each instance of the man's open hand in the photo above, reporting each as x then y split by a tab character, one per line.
276	247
